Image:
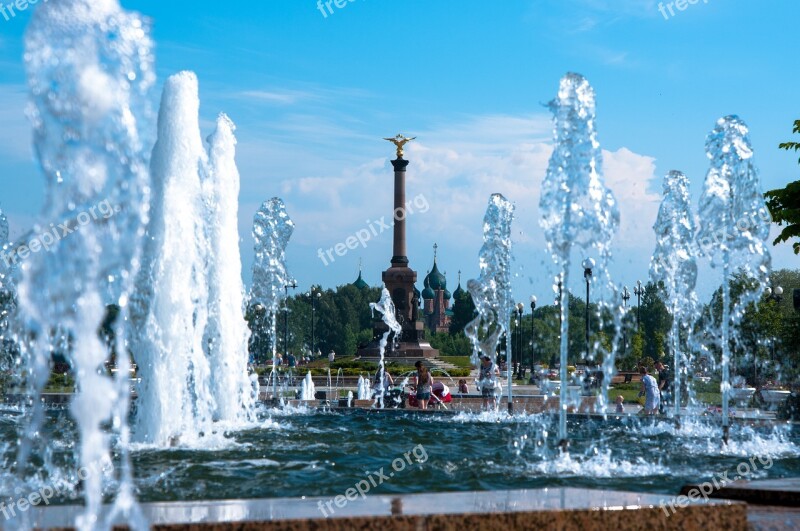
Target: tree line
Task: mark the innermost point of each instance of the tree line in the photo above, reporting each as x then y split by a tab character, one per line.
768	335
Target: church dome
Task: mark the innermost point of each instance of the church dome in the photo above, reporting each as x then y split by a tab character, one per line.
436	280
428	293
458	292
359	283
447	295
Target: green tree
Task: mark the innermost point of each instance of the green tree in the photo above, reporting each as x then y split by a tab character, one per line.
344	320
545	343
784	203
655	321
463	312
260	343
768	330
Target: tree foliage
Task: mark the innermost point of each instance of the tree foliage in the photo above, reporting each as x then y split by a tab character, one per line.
342	323
463	312
784	203
767	336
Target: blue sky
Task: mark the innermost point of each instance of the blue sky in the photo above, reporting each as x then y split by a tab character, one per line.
312	96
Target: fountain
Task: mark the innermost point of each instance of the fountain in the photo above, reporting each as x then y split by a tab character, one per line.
386	308
577	208
307	389
733	233
191	337
363	389
491	292
171	303
226	336
8	297
674	265
272	228
90	71
187	318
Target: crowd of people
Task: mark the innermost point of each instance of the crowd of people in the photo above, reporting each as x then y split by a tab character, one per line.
656	390
422	383
290	360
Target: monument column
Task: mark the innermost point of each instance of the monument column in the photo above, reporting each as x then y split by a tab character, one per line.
399	280
399	257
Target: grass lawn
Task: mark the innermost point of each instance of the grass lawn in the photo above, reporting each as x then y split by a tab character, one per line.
631	391
458	361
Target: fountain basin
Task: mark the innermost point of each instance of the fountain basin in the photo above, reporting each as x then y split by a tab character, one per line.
774	397
742	395
508	509
304	452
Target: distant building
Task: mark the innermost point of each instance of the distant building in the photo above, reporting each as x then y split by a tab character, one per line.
436	307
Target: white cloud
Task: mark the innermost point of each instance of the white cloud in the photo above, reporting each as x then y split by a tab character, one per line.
306	93
631	177
457	166
282	97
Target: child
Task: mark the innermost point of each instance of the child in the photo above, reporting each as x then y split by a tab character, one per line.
620	400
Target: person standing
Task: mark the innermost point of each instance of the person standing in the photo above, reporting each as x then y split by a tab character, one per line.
664	384
423	383
487	379
387	383
650	392
331	358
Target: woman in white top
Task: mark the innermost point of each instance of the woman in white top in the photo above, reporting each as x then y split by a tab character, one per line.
650	392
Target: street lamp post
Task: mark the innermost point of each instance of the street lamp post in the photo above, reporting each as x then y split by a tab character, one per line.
259	313
533	307
293	285
314	296
588	265
775	295
638	291
558	303
626	296
520	359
